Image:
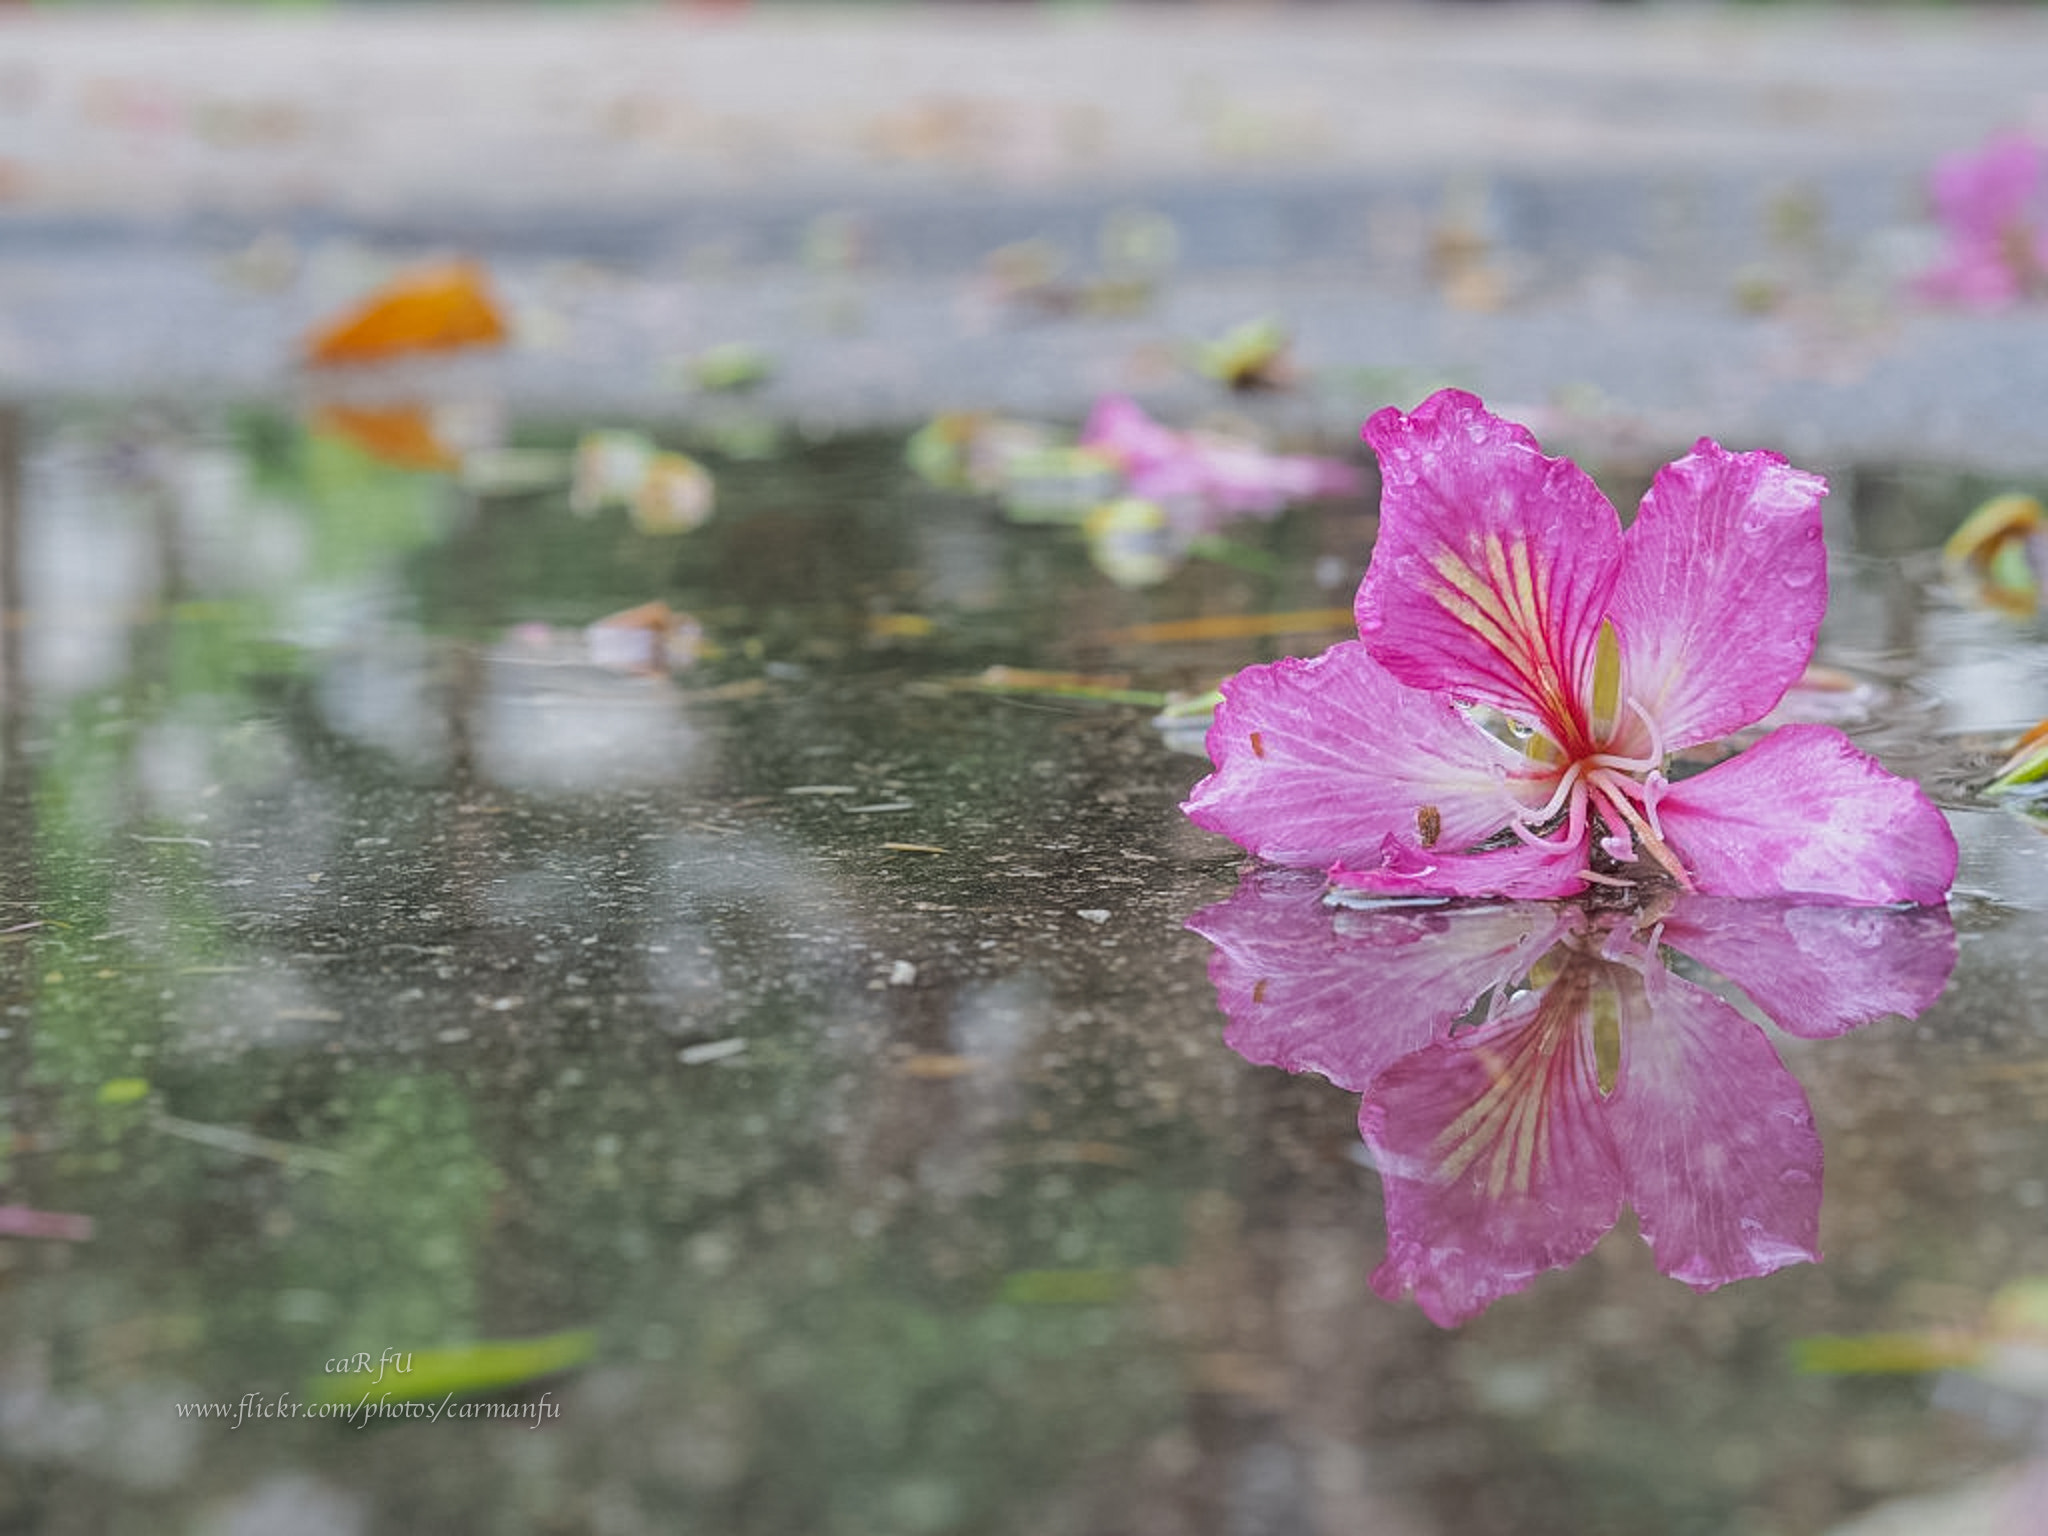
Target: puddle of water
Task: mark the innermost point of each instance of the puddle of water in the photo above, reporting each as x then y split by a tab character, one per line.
781	1089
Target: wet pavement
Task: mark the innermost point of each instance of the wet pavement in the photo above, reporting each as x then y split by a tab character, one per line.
803	1051
747	1067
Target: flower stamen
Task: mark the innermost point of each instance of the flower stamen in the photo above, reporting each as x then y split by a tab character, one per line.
1574	830
1614	792
1625	764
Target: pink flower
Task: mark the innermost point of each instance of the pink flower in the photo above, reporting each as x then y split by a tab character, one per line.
1990	205
1525	670
1527	1069
1204	479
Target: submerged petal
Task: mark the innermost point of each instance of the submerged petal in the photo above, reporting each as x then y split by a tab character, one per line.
1717	1139
1805	813
1493	566
1723	584
1328	758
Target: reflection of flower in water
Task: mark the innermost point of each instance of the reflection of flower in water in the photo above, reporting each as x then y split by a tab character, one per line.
1528	1067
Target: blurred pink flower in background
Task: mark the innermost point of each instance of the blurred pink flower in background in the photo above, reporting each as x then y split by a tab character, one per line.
1991	208
1204	479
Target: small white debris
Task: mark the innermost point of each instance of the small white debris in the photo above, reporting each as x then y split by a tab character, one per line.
452	1036
903	974
1095	915
880	806
711	1050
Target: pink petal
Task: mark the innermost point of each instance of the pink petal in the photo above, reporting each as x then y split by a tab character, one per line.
1515	870
1202	480
1238	479
1982	193
1815	971
1973	275
1716	1138
1345	994
61	1226
1723	584
1327	759
1804	813
1119	427
1988	203
1495	1157
1493	567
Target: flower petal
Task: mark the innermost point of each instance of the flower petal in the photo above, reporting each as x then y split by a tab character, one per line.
1981	193
1204	480
1495	1157
1237	479
1293	977
1817	971
1723	584
1493	567
1716	1138
1519	871
1326	759
1119	427
1804	813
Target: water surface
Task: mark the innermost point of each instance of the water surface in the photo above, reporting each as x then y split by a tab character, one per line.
782	1080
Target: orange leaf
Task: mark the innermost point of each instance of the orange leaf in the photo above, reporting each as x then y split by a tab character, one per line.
394	434
424	309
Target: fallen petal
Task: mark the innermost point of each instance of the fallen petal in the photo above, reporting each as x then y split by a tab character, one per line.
1805	813
1326	759
1494	564
2026	766
425	309
1722	588
58	1226
1515	870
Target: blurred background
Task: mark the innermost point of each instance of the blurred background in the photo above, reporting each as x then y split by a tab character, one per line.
1703	214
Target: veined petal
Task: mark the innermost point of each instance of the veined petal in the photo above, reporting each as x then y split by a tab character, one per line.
1715	1137
1495	1157
1805	813
1346	994
1723	584
1493	566
1328	758
1819	971
1520	871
